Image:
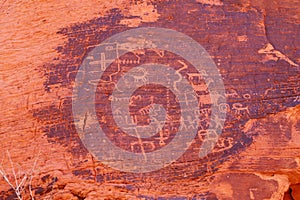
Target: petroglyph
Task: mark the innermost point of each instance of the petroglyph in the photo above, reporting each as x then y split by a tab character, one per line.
239	108
297	99
273	54
184	66
232	93
140	75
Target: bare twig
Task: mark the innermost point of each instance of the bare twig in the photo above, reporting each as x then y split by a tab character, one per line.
21	182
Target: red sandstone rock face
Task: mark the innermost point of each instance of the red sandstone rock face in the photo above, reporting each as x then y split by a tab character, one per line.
254	44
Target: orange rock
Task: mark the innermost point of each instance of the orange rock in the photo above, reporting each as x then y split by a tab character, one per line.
255	48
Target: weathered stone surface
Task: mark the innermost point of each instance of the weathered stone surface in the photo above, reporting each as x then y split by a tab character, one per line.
255	45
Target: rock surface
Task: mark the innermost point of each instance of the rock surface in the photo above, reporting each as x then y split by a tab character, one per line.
255	44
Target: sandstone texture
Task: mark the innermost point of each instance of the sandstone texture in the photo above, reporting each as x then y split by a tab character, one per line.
256	47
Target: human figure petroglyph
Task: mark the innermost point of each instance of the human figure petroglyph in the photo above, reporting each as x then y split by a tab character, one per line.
183	124
109	49
218	122
189	123
101	62
162	139
192	123
157	123
104	61
118	111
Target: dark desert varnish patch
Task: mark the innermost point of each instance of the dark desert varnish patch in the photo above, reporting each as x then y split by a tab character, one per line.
248	81
143	97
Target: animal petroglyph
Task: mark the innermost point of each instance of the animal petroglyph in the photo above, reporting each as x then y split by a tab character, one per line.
239	108
140	75
231	93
